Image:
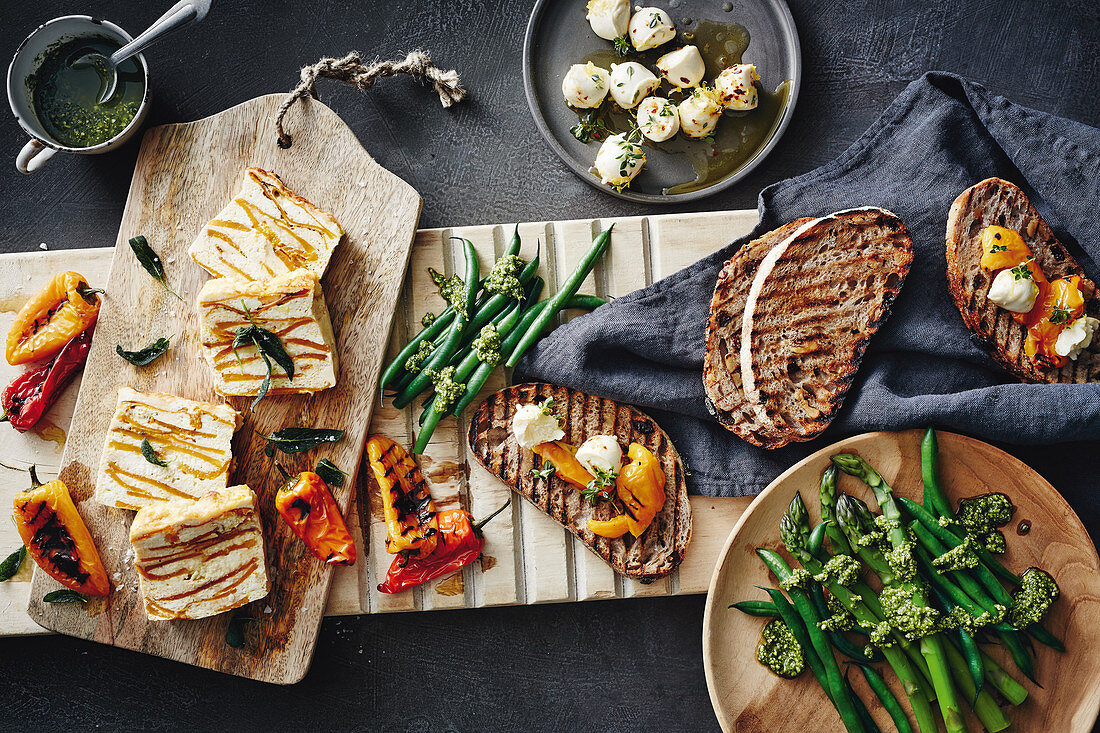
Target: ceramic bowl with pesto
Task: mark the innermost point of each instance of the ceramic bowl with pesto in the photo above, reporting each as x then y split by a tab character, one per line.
55	102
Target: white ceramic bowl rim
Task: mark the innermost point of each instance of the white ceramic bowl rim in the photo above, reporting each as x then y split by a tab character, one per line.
72	26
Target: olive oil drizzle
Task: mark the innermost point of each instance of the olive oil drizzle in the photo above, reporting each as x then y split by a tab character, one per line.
740	136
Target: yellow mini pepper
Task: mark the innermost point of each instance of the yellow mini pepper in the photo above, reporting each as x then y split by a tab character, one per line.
60	312
641	488
407	505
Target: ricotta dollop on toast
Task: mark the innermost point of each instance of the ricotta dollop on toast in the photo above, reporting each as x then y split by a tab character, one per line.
291	306
192	439
198	558
810	306
266	230
998	203
661	548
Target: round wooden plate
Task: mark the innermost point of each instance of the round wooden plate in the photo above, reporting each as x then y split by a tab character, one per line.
747	697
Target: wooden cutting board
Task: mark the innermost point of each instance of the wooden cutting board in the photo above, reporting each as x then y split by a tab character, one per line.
184	175
530	558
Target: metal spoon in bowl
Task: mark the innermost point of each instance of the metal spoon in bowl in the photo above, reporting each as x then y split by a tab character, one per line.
182	13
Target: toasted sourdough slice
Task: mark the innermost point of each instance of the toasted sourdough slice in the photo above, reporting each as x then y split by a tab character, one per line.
292	306
661	547
815	301
266	230
998	202
725	398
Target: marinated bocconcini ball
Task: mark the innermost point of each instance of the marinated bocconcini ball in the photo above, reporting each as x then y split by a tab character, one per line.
618	161
658	119
631	83
737	87
700	112
609	19
585	85
683	67
650	28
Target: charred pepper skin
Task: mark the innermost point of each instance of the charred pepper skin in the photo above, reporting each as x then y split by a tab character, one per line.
57	539
407	505
62	310
31	394
305	503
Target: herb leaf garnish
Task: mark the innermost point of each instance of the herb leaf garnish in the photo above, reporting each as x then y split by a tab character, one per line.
149	259
545	472
150	455
64	596
1059	315
329	472
598	489
270	349
12	563
299	440
146	356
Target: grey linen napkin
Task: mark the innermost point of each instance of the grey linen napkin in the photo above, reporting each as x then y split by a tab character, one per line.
941	135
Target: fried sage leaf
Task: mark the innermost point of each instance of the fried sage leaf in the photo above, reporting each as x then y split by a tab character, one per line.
264	385
299	440
12	563
64	596
150	260
150	455
146	356
329	472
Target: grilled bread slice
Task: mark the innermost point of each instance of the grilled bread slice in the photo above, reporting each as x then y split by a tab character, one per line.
661	547
812	304
998	202
266	230
725	398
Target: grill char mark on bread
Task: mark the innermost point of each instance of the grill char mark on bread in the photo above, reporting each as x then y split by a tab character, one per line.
661	547
998	202
818	294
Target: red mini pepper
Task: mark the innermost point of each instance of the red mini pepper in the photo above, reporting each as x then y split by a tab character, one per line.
30	394
460	543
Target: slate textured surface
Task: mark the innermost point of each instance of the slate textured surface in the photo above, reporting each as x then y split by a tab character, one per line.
600	666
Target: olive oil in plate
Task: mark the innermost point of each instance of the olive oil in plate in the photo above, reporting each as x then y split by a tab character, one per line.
739	137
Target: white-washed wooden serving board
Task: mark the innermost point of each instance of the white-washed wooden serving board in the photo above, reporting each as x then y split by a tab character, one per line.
528	558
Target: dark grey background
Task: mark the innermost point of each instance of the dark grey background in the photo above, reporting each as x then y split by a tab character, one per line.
601	666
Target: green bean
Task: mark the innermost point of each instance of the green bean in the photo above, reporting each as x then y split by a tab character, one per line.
861	709
763	609
532	291
495	305
514	244
969	647
844	645
987	710
568	289
935	499
443	353
816	542
963	579
585	302
396	368
893	707
804	606
952	540
1043	636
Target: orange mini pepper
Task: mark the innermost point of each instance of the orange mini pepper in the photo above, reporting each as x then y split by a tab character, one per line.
305	503
566	466
58	313
407	505
57	538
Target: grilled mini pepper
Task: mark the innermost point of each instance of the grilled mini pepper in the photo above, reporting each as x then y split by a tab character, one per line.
407	505
56	538
62	310
305	503
460	543
30	394
641	489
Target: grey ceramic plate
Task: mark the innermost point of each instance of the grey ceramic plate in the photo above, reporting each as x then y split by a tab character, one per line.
558	36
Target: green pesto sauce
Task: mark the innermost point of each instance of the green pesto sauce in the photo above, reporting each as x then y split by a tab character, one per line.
982	515
780	651
503	278
447	390
739	136
65	99
487	345
1033	598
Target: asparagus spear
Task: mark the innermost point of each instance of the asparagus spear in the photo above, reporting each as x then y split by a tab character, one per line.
918	615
